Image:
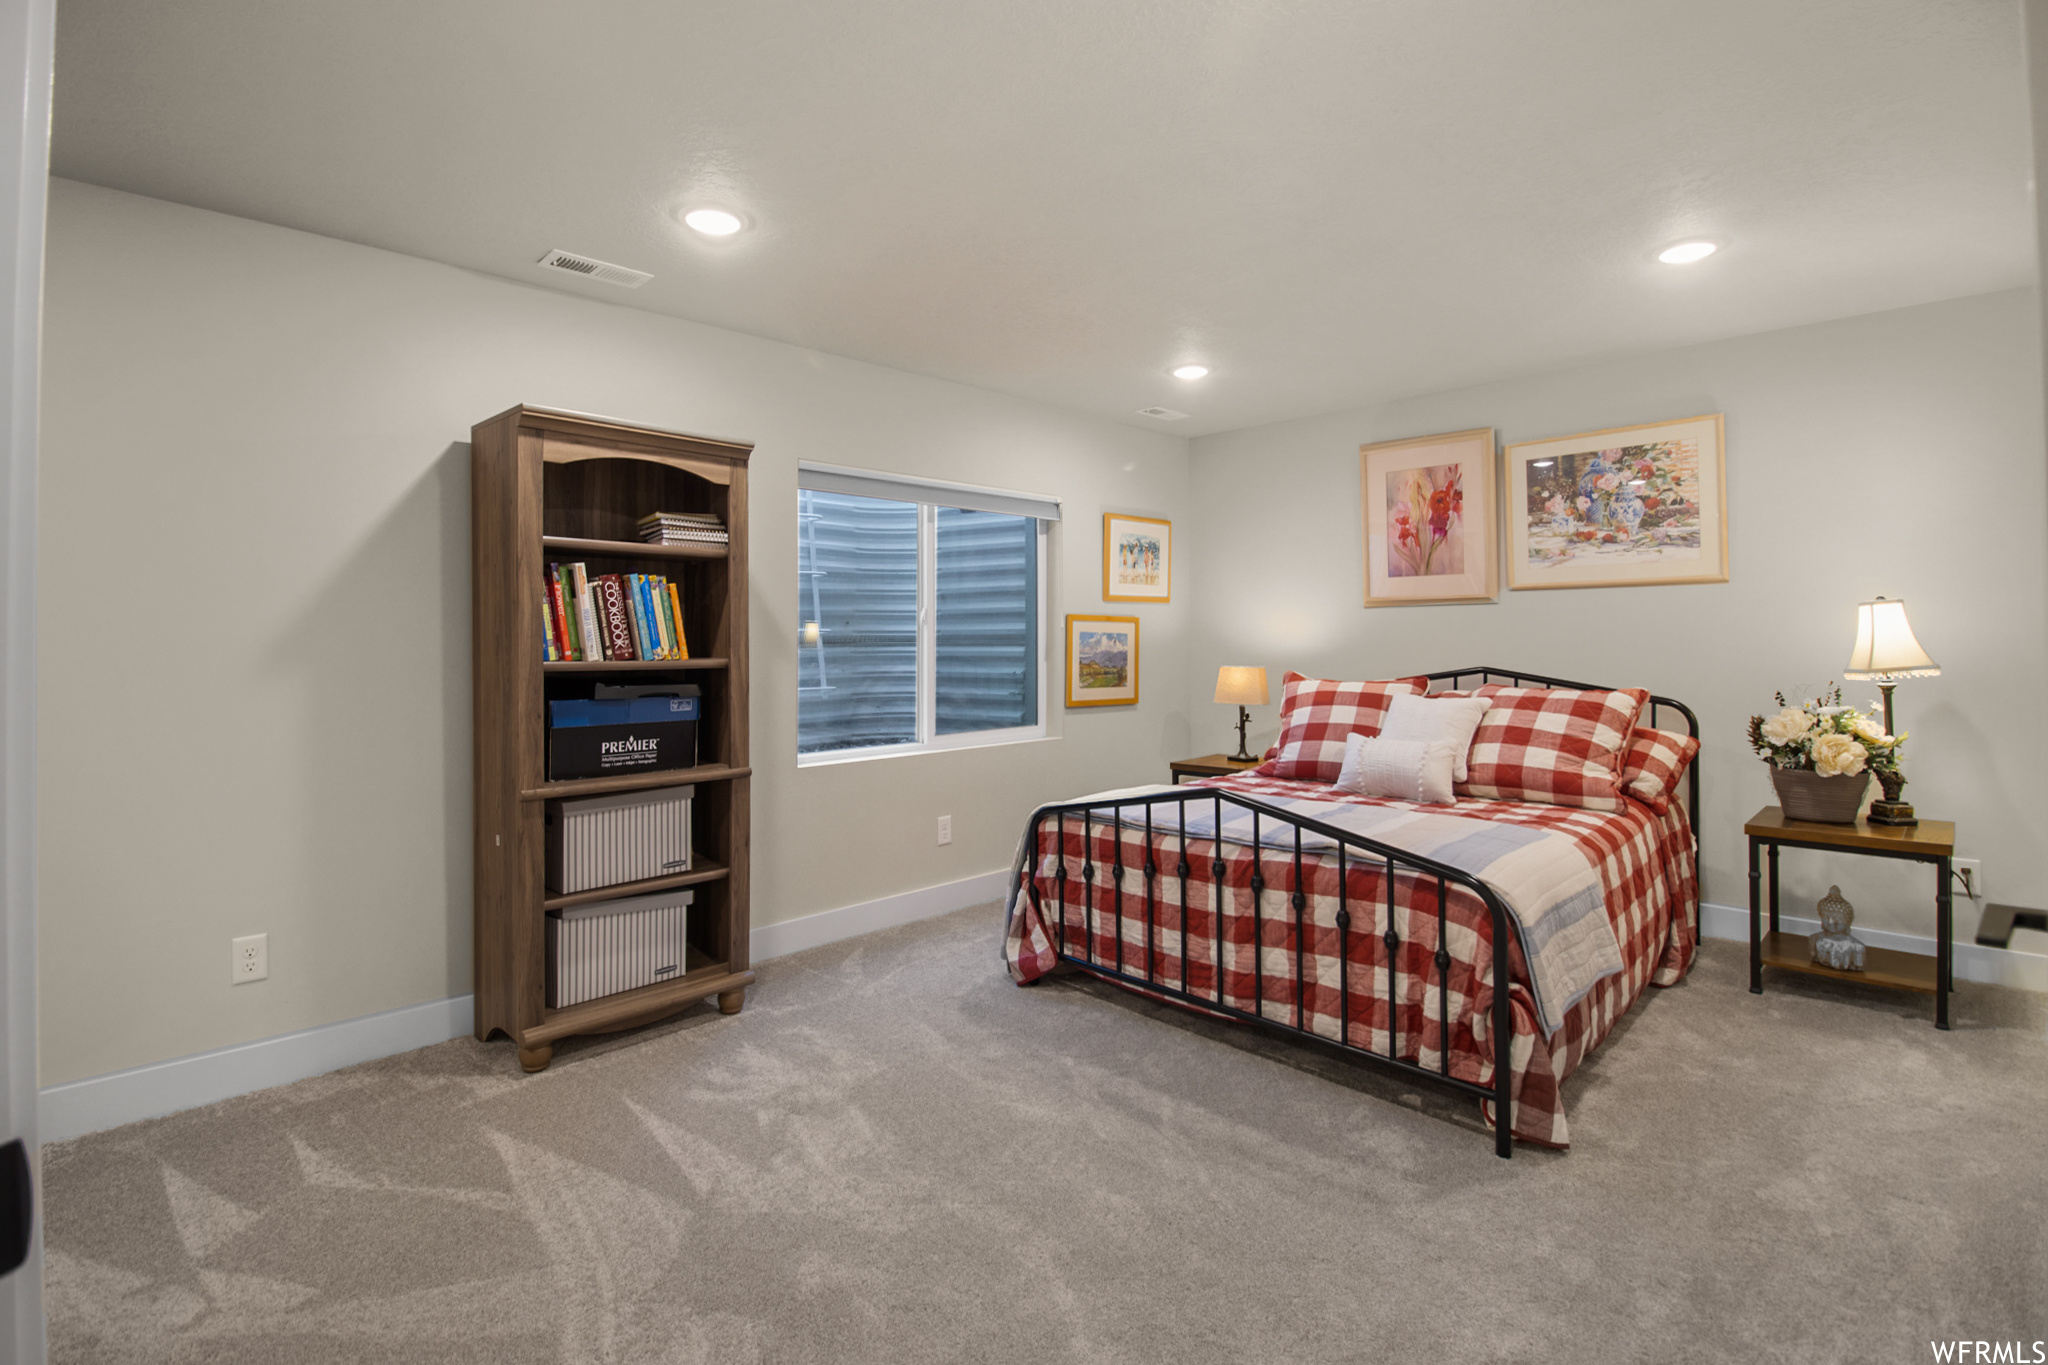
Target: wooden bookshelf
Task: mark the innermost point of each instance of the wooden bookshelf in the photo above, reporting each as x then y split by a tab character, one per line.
556	487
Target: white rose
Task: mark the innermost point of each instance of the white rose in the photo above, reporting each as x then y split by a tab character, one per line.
1789	726
1838	755
1867	728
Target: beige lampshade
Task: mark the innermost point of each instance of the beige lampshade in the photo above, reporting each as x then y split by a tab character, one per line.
1241	686
1885	647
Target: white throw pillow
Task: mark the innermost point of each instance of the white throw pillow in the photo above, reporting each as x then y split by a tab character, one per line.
1411	769
1453	719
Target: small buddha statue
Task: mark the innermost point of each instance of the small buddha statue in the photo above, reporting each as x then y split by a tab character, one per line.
1833	946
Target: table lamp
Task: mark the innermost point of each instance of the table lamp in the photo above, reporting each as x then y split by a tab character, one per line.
1886	652
1242	687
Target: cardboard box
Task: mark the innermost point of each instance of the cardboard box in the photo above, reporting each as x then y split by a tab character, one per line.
614	737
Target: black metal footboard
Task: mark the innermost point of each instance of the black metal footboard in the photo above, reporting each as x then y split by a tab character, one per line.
1349	848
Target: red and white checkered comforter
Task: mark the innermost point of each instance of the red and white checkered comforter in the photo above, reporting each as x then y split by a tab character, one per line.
1646	866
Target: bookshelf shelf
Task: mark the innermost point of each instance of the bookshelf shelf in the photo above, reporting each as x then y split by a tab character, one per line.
551	487
628	1008
630	549
632	666
705	871
639	782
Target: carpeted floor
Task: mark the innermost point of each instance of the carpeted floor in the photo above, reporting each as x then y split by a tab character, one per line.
894	1155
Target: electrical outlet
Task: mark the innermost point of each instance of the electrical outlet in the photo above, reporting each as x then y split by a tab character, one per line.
945	829
252	958
1968	875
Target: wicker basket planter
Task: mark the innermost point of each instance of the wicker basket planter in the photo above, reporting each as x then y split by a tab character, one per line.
1823	800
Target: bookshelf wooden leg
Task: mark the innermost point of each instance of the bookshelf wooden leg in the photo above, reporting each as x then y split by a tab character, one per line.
537	1057
729	1002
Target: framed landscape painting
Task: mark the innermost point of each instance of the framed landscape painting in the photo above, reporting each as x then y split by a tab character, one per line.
1137	559
1428	504
1630	505
1102	660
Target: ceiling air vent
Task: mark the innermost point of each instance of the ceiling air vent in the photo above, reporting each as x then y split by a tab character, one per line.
595	270
1163	414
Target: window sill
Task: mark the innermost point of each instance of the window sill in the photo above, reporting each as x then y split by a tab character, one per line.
831	759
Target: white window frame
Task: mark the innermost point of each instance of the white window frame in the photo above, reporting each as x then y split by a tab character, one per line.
930	495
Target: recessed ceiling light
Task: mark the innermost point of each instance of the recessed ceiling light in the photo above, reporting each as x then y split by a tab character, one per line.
1191	372
1685	253
713	222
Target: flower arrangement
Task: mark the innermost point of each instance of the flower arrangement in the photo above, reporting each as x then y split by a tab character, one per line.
1825	737
1422	516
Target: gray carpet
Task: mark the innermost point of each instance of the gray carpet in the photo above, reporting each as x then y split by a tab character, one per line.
894	1155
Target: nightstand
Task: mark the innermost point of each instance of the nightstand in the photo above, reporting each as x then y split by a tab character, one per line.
1210	765
1930	841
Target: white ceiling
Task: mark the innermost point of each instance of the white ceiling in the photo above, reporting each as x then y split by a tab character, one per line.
1328	203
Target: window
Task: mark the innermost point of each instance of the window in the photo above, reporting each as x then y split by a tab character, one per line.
922	611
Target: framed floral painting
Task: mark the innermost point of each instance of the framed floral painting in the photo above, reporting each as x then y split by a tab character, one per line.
1137	559
1102	660
1428	504
1630	505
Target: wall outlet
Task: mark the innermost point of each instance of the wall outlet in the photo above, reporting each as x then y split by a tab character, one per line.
945	829
1967	877
252	958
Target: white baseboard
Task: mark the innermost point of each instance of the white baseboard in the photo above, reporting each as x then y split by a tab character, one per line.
147	1092
829	926
1973	961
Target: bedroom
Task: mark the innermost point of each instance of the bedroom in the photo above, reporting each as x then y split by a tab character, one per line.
274	311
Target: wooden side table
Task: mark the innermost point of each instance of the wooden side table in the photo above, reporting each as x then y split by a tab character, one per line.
1210	765
1930	841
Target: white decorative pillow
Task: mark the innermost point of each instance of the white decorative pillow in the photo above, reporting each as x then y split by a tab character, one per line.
1452	719
1410	769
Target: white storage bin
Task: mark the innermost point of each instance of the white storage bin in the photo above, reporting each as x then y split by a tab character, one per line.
610	946
606	840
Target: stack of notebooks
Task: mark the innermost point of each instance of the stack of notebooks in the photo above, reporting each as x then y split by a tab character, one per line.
683	528
614	617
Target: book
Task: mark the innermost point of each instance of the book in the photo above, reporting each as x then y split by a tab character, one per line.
657	636
637	606
659	601
563	635
617	633
675	603
590	648
548	652
681	519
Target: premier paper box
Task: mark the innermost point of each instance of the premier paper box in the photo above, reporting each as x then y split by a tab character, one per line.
612	738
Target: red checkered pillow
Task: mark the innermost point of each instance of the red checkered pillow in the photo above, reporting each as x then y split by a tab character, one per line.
1654	765
1555	745
1316	716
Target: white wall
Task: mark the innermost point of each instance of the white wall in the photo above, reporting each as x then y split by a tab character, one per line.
1896	454
255	612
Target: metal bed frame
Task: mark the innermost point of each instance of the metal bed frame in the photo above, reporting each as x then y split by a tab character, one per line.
1348	846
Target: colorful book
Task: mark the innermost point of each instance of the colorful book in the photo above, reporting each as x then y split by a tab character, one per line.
657	601
563	635
547	632
570	614
675	603
643	638
597	626
618	636
592	651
